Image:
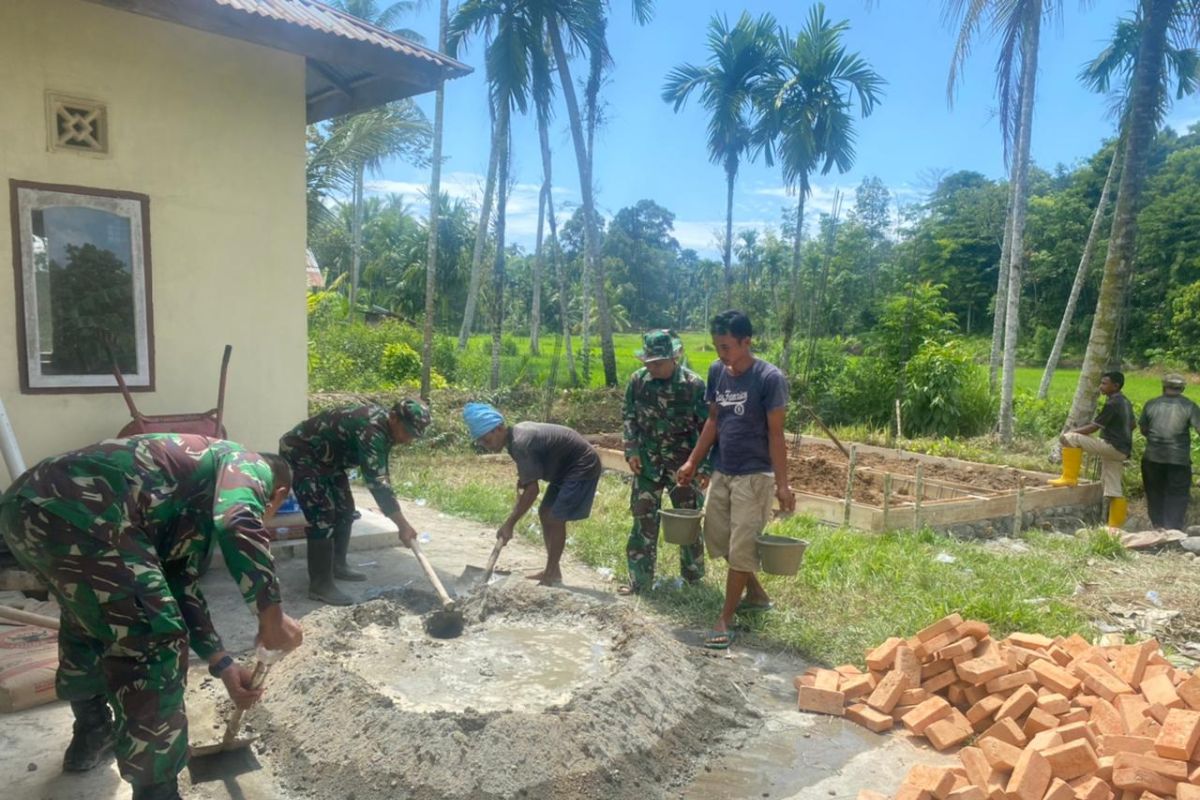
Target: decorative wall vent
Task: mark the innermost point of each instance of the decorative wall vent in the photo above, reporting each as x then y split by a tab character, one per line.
76	124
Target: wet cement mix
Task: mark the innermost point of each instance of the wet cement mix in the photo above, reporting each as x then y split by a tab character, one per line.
546	694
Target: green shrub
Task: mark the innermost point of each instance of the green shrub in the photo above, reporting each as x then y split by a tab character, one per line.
400	362
946	394
862	393
1184	333
1039	419
907	319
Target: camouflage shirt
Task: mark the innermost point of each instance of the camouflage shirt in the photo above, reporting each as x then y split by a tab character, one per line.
343	438
164	499
663	420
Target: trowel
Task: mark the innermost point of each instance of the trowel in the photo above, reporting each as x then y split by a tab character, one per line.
231	741
473	578
448	622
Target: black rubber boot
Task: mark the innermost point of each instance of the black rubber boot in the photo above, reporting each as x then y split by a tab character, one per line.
168	790
92	740
320	574
341	547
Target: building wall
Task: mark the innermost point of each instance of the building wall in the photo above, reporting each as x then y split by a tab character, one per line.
212	129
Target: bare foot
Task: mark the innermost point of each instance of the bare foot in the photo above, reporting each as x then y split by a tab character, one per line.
546	578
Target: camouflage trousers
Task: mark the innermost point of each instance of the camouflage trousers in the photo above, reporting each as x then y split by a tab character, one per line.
122	635
325	499
641	551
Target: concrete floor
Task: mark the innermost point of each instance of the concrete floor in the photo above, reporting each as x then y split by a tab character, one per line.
785	754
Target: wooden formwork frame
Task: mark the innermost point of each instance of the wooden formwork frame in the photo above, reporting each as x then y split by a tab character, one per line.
956	503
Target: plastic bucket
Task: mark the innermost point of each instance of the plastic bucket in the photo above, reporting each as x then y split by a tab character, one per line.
780	555
681	525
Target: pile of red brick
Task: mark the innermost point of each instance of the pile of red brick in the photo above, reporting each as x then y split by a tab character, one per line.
1043	719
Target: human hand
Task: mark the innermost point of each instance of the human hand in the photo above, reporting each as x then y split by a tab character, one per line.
238	680
704	481
278	631
635	464
407	534
505	533
684	475
786	497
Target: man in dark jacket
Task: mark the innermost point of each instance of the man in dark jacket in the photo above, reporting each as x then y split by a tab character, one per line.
1167	422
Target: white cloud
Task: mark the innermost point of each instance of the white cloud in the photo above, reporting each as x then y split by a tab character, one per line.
704	236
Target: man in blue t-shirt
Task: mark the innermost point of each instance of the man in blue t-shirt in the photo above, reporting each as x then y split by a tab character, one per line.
747	403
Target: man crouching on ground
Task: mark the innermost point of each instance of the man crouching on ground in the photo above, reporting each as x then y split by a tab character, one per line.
747	404
542	452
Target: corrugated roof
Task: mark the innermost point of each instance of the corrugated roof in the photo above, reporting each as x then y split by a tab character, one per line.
325	19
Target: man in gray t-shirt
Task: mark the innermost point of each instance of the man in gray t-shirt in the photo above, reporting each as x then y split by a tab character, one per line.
1167	422
542	452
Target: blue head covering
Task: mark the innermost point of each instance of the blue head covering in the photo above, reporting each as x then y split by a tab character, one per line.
481	419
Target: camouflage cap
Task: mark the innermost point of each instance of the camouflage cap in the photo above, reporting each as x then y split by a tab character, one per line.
414	415
659	345
1173	380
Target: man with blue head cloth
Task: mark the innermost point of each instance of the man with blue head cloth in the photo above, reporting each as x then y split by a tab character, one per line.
543	452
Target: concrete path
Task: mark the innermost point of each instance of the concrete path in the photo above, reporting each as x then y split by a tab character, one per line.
782	754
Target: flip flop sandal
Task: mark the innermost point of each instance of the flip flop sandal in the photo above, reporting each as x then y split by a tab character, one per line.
719	640
626	591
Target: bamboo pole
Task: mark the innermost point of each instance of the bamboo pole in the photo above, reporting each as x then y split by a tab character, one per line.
850	484
920	496
887	500
1020	509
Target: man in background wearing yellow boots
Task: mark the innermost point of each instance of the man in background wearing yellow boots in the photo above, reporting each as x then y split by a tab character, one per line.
1115	423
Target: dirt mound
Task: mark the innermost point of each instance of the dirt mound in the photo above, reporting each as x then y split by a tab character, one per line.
546	694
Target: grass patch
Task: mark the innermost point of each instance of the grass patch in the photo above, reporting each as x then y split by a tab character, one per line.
854	590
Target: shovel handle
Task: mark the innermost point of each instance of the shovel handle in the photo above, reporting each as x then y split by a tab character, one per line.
447	602
491	564
235	719
28	618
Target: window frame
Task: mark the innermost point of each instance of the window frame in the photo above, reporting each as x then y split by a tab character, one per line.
24	198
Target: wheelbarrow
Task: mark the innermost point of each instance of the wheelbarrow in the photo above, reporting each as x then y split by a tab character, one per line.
204	423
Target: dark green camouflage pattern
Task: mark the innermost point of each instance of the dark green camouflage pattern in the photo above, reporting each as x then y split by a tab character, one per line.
323	447
118	531
662	423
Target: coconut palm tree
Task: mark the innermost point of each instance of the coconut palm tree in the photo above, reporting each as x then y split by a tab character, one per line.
1163	26
435	194
740	58
481	232
808	121
1018	23
384	17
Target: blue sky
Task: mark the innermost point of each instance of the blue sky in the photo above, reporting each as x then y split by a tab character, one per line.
646	150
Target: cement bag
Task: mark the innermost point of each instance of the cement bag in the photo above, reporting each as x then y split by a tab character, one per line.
28	661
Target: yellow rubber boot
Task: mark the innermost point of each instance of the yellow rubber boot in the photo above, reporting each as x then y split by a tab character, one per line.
1117	508
1072	460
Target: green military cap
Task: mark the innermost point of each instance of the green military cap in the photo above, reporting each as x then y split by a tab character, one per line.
659	345
1173	380
414	415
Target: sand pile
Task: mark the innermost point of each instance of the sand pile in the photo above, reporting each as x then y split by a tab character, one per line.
547	694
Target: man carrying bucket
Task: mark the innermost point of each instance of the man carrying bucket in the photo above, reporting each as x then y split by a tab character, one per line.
747	404
664	412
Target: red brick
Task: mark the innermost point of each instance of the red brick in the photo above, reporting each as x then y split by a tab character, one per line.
1030	777
1001	755
961	647
1074	715
1159	690
974	628
912	697
1189	692
1111	744
1157	712
1106	768
938	781
1194	777
1055	677
1012	680
1130	663
827	680
1142	780
956	693
974	694
928	647
1078	730
1072	760
1044	741
978	671
869	718
906	792
822	701
945	734
887	693
1168	768
976	764
1076	645
1059	656
1148	728
1059	790
1179	734
1053	703
1039	721
857	686
968	792
1031	641
867	794
881	657
1006	730
947	623
1186	791
1023	656
1093	789
939	682
925	714
1132	709
982	711
1102	682
1018	703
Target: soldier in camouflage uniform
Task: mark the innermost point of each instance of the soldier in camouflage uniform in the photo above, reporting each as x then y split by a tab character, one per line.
320	450
118	531
664	412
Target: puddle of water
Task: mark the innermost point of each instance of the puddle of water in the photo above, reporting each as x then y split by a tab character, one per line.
494	669
779	764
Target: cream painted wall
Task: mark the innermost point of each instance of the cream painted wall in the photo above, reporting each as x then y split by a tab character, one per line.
212	129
